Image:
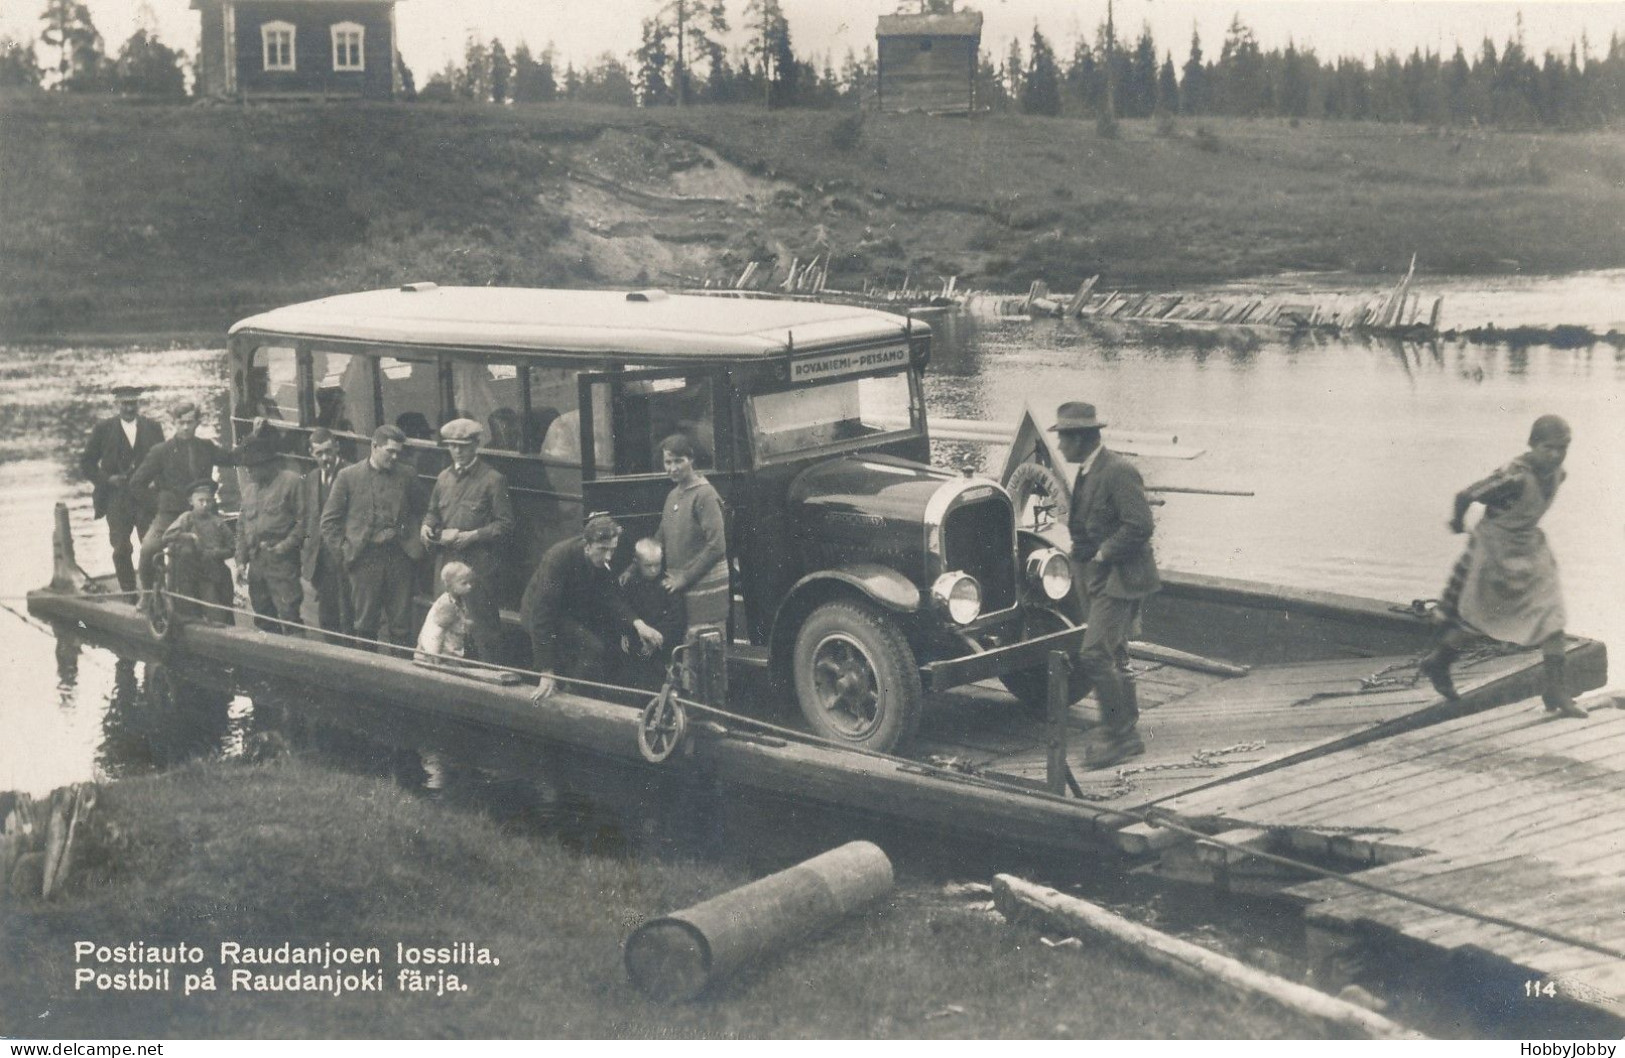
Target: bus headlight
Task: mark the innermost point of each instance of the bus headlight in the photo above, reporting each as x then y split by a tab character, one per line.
1051	572
960	595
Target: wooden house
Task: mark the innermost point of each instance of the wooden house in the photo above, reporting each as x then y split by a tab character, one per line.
928	62
297	48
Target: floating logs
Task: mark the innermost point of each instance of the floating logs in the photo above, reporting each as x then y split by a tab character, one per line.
675	958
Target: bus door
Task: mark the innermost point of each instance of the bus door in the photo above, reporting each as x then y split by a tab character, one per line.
624	417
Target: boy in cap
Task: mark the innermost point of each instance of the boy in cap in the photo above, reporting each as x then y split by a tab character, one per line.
116	447
269	533
199	542
470	520
1505	585
1110	522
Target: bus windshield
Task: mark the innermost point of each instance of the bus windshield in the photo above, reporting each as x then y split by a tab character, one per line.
810	417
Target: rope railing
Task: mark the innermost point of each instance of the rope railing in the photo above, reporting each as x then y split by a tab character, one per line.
1153	819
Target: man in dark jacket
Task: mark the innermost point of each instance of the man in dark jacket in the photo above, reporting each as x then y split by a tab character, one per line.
371	519
470	520
268	537
319	562
117	446
173	467
1113	569
574	610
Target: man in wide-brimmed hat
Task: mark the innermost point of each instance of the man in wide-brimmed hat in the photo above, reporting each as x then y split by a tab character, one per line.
470	520
1111	526
270	532
116	447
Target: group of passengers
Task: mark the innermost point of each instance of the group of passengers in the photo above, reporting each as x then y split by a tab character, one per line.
356	535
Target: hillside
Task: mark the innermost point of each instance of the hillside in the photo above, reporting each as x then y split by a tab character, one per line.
121	217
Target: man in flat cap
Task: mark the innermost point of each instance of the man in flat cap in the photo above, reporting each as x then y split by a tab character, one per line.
1505	585
270	530
116	447
1111	526
470	520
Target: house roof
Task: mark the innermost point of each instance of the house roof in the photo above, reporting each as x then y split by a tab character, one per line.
958	24
646	324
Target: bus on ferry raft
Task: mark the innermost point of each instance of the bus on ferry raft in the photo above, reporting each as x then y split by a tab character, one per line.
917	617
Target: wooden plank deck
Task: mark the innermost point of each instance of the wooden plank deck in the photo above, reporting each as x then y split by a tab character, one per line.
1201	728
1518	817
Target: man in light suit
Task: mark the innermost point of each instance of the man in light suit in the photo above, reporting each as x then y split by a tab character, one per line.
117	446
319	563
1114	571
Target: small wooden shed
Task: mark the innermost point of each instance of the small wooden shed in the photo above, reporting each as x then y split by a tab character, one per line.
297	48
927	62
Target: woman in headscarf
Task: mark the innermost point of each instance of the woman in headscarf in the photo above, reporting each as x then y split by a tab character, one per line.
1505	585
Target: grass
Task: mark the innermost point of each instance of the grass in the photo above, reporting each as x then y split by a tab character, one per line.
288	851
129	217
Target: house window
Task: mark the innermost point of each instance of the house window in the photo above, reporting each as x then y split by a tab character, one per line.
347	37
277	39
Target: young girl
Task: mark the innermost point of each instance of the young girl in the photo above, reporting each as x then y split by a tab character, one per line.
693	537
446	629
1505	585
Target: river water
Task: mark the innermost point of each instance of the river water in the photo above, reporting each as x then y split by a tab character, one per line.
1353	450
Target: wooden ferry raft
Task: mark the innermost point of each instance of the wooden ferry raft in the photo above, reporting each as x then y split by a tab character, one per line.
1286	692
1497	837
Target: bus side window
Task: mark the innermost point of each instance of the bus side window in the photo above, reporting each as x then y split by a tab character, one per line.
344	392
662	407
489	394
273	384
410	388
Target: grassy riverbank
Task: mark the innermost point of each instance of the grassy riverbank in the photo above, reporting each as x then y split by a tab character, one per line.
121	217
287	851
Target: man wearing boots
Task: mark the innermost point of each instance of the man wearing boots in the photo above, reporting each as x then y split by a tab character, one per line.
117	446
1505	585
1111	526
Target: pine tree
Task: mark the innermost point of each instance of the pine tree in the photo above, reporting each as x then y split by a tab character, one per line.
19	67
146	66
81	59
775	56
1168	87
654	61
474	79
1194	96
1041	89
501	73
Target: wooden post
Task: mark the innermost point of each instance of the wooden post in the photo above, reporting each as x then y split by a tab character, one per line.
1016	898
676	957
1055	768
65	572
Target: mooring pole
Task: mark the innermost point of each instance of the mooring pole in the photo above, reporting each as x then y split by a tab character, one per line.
1057	706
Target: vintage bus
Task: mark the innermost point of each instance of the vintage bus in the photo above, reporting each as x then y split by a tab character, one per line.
861	576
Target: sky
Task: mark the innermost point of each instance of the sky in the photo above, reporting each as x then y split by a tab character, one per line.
434	31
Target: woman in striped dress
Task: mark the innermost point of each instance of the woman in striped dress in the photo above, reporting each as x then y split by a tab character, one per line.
693	536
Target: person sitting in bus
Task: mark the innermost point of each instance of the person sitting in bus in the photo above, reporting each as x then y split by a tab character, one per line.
446	629
661	609
199	541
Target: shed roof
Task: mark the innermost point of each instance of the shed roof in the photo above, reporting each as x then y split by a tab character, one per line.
958	24
659	326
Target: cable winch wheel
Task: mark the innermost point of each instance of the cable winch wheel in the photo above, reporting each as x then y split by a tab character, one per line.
662	727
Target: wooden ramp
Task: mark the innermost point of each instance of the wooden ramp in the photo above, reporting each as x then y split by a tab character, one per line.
1510	821
1201	728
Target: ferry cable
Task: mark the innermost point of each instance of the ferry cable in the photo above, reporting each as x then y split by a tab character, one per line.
1140	816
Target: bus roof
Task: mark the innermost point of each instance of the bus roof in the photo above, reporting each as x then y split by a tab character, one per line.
650	325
